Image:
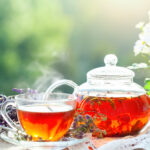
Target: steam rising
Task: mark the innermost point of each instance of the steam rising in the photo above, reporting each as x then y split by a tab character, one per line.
48	77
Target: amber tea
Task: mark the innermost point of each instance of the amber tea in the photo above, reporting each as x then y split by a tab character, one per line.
46	122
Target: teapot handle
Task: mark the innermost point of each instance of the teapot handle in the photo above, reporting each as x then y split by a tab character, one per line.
57	84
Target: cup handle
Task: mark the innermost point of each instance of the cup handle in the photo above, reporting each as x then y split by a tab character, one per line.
59	83
6	116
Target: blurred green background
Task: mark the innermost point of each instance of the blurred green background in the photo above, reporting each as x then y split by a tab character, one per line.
43	41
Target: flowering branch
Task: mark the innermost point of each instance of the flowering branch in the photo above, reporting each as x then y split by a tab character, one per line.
142	46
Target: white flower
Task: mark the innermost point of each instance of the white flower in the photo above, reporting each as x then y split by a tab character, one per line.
143	65
146	28
138	66
140	25
146	50
138	47
143	44
145	37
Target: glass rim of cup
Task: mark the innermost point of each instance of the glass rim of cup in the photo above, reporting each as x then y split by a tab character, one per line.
60	98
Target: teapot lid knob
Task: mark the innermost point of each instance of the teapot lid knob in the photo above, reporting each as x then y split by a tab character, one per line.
110	60
110	72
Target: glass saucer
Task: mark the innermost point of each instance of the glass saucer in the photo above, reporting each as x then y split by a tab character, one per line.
10	137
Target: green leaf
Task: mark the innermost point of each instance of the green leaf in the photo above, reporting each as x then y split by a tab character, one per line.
147	85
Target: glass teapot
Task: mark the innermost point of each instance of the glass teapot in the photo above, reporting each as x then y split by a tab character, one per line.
117	104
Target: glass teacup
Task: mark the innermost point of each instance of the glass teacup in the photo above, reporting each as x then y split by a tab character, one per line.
46	120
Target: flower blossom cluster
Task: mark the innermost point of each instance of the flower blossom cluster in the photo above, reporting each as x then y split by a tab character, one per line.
142	46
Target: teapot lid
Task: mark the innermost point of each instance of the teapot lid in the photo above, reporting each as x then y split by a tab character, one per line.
110	71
